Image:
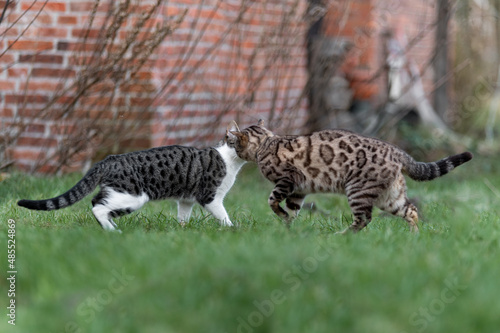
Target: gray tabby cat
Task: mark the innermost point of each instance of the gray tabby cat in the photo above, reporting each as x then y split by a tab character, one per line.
369	171
129	180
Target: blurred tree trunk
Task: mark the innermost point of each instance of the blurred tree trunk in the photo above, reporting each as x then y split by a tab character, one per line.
313	94
463	82
441	57
495	101
496	5
464	31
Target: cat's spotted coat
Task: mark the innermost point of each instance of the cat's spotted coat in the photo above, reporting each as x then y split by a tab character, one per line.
369	171
130	180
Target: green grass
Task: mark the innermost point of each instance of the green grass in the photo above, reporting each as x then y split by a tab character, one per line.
258	277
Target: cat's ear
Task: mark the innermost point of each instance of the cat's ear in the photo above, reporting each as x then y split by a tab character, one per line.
260	122
241	137
234	134
233	126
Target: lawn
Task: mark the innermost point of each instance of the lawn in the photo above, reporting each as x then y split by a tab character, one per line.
258	276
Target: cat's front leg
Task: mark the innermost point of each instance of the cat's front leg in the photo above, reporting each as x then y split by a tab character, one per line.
184	209
282	190
216	208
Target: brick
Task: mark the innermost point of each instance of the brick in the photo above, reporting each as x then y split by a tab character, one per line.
64	46
138	87
71	46
51	32
41	58
7	59
36	142
102	87
17	72
94	113
67	20
43	19
81	6
21	99
6	113
35	128
172	11
123	34
102	101
79	60
98	20
7	85
4	2
31	45
39	5
144	75
44	85
12	32
29	112
141	114
27	154
80	33
141	101
211	14
63	129
52	72
65	100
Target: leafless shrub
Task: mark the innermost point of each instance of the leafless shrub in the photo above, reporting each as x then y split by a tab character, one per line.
109	61
106	99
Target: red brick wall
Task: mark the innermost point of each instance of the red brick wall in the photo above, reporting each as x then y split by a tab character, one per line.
270	90
204	92
364	21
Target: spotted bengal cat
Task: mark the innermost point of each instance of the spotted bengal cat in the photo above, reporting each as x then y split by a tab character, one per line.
369	171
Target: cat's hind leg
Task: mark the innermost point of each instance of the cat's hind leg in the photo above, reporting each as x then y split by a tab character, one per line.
362	216
409	212
101	212
184	209
361	197
395	201
294	203
109	203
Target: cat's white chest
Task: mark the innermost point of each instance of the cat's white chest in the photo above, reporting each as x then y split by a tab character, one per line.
233	164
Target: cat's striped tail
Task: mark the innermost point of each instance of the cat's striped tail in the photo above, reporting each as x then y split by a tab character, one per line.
83	188
422	171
